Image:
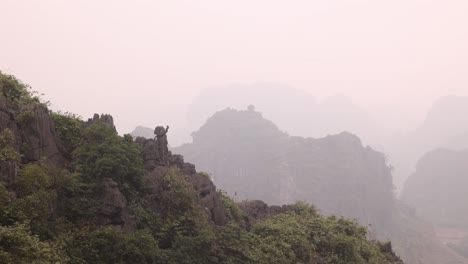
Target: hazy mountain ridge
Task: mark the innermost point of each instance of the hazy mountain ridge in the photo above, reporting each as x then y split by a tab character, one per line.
437	189
251	158
297	111
141	131
446	125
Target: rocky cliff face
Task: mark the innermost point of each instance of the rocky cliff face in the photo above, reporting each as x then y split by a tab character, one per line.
113	208
157	159
33	132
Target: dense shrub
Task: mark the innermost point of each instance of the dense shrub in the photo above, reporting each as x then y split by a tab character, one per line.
68	127
102	153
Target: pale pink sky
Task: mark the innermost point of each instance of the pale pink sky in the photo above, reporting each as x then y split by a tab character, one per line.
144	61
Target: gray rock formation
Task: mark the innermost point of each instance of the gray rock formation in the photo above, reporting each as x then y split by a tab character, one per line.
209	198
157	159
39	138
162	143
34	136
114	209
103	118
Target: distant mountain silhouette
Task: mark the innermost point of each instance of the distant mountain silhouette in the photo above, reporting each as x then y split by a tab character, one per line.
141	131
458	142
438	188
295	111
446	125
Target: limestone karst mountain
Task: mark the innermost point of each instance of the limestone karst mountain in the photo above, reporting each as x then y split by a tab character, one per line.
250	158
446	125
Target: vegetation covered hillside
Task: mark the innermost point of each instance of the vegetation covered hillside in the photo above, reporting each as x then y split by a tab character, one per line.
74	191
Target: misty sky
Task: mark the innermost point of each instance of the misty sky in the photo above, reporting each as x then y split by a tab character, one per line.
144	61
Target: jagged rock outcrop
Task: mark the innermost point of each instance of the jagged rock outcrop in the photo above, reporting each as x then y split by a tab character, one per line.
113	208
39	139
209	198
150	153
155	152
157	159
34	135
103	118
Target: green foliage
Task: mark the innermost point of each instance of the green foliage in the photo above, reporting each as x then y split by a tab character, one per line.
181	219
34	202
284	237
16	92
18	246
32	178
110	245
300	236
68	127
194	249
174	194
235	245
35	210
233	211
5	199
102	153
7	151
25	116
77	201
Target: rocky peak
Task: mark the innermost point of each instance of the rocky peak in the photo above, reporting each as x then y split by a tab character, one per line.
157	158
103	118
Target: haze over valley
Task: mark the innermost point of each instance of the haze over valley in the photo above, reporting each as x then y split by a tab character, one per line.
234	132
